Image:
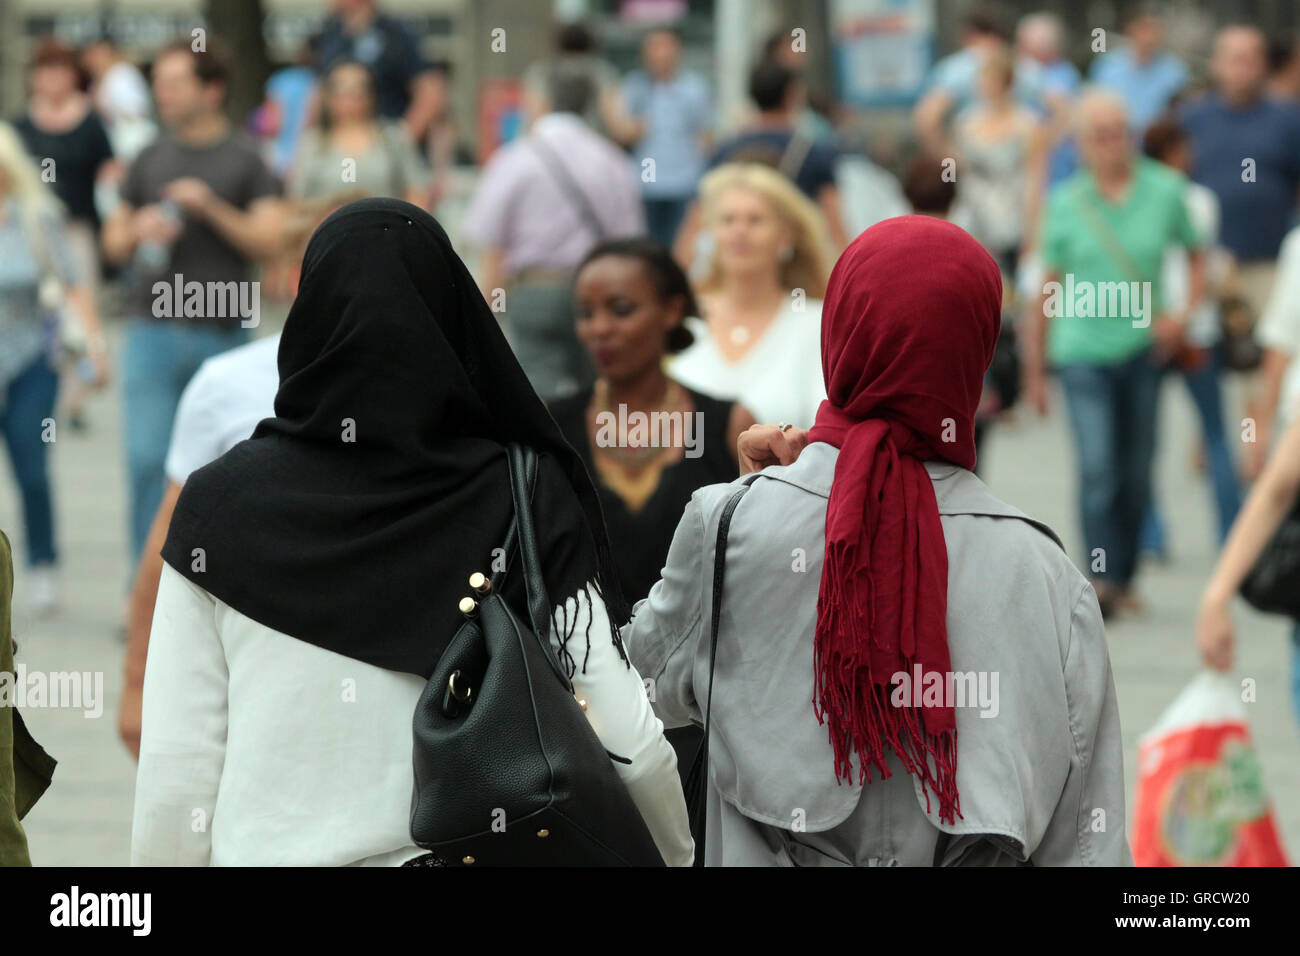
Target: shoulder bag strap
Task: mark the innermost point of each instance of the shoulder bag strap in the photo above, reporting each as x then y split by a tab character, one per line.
697	788
1110	242
796	152
572	191
523	479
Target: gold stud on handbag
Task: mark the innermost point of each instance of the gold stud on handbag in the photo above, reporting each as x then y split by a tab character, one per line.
469	607
480	583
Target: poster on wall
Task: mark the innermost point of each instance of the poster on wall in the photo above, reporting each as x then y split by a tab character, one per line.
883	49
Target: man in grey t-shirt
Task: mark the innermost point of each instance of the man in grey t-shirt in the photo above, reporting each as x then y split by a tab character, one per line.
198	206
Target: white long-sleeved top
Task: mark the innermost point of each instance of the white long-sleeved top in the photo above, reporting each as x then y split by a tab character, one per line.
258	749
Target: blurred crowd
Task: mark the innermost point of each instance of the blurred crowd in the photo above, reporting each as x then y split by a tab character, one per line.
644	257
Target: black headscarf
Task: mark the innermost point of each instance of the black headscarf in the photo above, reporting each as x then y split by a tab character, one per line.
353	518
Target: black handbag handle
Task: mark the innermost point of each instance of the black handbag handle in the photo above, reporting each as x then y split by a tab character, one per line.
522	461
697	781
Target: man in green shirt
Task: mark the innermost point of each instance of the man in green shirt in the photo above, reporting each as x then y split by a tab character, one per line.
25	769
1101	324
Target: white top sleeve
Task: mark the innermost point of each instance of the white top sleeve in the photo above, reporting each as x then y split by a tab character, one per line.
621	715
1279	326
183	737
195	438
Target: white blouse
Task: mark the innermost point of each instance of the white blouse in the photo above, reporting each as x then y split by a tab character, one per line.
258	749
778	379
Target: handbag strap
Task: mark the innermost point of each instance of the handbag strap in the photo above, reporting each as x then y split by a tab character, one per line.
569	187
522	461
1104	234
697	781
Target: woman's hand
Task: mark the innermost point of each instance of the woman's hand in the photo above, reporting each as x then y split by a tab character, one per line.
763	445
1214	634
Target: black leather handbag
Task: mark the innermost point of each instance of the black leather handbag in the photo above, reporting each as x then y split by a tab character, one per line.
697	782
508	770
1273	584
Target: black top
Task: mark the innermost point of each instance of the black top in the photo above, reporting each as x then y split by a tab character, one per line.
640	539
353	518
77	155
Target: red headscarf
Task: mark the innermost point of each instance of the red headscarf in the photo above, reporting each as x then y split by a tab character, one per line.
910	320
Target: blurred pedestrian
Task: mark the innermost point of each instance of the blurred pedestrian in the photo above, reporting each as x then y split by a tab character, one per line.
1197	362
121	95
541	203
406	87
1102	322
369	565
1146	75
991	144
353	152
759	340
198	203
35	256
823	750
671	109
290	100
1246	149
577	60
954	82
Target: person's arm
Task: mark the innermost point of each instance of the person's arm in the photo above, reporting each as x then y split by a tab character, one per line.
1034	355
667	626
1041	141
143	599
118	237
738	421
1272	372
1087	825
429	99
620	713
256	232
1267	505
183	737
928	119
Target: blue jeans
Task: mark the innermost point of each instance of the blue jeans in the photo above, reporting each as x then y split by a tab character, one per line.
663	217
1203	385
1113	416
158	360
29	401
1295	669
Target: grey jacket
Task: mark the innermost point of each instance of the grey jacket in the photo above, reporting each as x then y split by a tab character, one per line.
1040	765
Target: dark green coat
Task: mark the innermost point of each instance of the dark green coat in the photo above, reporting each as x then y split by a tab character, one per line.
25	769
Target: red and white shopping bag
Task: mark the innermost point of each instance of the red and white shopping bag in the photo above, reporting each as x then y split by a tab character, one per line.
1200	792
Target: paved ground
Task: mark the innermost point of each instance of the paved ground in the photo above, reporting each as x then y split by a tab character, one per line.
86	816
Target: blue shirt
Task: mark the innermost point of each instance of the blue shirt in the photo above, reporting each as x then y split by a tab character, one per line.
1255	215
768	146
675	113
958	75
1147	89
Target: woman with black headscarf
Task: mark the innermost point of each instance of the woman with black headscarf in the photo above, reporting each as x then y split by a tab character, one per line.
313	573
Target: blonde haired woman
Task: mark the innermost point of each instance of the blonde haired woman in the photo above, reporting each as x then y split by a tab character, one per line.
761	296
35	253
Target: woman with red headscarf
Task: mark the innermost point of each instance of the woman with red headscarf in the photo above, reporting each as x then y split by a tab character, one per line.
909	671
